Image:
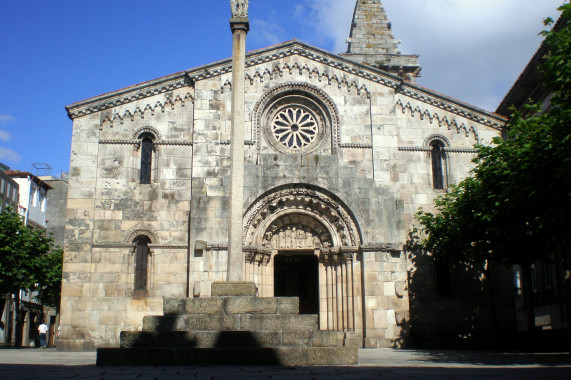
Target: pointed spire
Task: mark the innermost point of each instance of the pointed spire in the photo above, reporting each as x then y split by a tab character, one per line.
371	30
371	42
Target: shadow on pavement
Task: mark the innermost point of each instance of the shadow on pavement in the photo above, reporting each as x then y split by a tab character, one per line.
494	358
18	371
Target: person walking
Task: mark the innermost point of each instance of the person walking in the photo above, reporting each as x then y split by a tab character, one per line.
43	330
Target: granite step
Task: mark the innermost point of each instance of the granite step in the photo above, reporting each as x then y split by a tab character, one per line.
231	305
234	322
287	356
214	339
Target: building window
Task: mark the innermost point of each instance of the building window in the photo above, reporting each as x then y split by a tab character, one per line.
297	119
438	164
517	282
34	200
147	149
295	127
142	253
42	201
533	279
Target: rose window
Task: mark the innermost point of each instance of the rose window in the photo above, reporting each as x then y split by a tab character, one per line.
295	128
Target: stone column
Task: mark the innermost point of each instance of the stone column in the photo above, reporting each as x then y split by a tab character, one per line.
239	25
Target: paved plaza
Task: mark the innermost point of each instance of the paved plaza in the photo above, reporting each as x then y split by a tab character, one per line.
373	364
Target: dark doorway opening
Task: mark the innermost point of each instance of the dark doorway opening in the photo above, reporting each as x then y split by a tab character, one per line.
296	275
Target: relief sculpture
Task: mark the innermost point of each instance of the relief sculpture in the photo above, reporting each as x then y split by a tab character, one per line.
293	237
239	8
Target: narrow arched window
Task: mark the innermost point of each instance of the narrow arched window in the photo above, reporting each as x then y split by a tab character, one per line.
141	262
147	148
438	164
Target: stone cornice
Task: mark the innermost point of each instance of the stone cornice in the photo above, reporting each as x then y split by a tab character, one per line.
381	247
444	120
113	245
246	142
355	146
174	142
128	95
460	150
428	149
132	246
450	105
136	142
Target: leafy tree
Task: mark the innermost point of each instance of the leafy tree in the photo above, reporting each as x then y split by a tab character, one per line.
516	205
27	262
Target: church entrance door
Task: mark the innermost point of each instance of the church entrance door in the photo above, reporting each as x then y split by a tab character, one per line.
296	275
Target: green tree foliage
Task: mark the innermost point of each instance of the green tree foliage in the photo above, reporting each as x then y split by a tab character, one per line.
516	205
28	260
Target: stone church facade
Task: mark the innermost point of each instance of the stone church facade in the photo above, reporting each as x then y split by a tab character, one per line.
340	152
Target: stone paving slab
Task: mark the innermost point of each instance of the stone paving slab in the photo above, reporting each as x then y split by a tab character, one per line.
373	364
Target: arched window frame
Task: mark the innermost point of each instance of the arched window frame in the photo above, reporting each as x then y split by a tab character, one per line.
438	161
147	154
142	264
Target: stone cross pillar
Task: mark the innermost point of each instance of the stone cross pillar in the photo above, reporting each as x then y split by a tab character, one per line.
239	25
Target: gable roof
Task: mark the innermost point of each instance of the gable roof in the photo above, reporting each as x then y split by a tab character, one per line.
272	53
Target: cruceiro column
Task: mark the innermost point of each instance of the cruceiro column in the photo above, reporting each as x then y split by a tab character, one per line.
239	25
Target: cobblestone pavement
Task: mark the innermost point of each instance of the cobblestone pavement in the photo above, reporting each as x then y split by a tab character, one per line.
373	364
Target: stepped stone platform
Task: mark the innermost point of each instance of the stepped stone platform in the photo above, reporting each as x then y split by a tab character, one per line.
230	328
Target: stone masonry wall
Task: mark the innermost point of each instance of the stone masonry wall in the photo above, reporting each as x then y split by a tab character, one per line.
373	162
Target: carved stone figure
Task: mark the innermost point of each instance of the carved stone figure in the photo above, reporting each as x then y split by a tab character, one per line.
239	8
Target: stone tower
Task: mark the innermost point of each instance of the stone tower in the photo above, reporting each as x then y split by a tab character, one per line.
371	42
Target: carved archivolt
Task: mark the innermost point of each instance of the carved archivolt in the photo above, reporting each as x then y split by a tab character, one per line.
296	98
299	218
147	129
442	121
141	230
431	138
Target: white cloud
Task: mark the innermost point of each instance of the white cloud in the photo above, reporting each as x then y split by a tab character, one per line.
4	118
7	154
4	136
470	50
331	21
267	32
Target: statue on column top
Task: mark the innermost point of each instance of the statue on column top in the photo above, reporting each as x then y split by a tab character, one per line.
239	8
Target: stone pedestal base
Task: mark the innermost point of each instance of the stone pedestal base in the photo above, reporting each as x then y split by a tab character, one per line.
233	327
233	288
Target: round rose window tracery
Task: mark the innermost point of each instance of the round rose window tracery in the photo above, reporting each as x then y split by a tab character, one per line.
294	128
297	119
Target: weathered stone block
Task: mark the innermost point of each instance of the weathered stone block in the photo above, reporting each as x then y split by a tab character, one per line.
296	338
179	306
233	288
288	305
332	355
198	322
278	322
325	338
129	339
241	339
250	305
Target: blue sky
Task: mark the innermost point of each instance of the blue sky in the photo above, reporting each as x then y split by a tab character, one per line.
57	52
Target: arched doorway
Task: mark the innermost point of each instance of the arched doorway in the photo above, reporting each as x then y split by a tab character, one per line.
296	275
301	242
